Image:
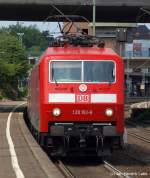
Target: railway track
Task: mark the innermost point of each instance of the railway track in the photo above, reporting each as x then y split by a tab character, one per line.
138	149
139	129
114	172
139	137
68	173
63	169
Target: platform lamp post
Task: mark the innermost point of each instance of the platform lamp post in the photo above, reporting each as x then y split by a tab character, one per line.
20	35
94	16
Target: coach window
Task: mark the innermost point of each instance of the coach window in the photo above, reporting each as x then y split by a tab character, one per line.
66	71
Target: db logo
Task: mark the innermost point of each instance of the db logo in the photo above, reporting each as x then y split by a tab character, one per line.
82	98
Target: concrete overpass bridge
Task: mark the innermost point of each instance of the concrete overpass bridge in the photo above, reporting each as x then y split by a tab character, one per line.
107	10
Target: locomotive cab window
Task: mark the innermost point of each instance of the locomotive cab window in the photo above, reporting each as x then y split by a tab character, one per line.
99	71
83	71
66	71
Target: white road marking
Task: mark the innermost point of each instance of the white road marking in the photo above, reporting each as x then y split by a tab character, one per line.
14	160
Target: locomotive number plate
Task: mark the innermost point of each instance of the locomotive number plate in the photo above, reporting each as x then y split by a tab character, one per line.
83	98
82	112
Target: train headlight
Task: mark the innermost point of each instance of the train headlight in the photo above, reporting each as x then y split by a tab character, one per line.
109	112
56	112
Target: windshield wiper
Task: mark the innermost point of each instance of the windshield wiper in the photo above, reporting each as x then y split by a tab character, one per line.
53	78
55	81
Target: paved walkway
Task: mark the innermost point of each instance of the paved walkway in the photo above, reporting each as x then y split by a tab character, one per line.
26	160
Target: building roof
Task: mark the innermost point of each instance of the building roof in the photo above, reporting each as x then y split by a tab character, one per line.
140	33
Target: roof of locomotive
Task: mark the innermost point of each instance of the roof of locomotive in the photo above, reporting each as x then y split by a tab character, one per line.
68	50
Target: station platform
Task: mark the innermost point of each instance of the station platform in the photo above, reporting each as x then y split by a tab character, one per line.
32	161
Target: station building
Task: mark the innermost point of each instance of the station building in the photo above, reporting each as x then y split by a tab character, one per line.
132	42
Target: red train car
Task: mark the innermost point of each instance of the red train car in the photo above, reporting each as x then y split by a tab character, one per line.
76	100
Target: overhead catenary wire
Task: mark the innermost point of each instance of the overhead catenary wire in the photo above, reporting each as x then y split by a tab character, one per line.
78	38
67	17
143	11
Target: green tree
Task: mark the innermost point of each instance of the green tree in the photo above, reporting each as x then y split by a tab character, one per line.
13	65
32	36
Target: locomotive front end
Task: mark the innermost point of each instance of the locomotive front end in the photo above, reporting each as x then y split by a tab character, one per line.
83	108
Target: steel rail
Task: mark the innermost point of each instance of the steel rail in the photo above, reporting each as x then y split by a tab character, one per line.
139	137
114	170
68	174
64	170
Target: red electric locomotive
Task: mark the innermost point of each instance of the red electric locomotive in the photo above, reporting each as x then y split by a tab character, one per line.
76	100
